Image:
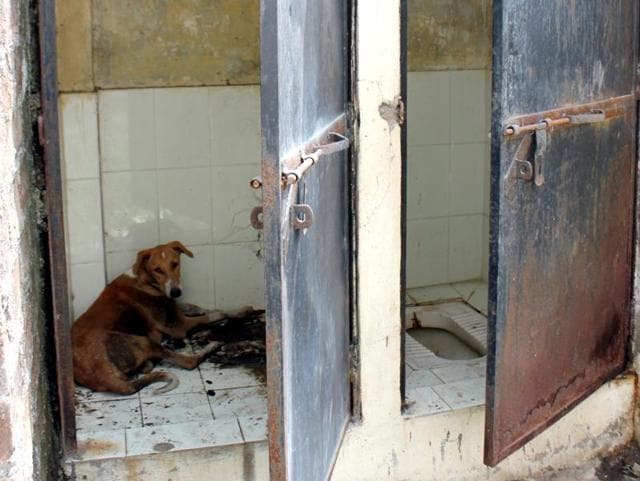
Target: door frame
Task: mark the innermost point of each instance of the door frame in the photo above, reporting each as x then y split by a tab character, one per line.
49	133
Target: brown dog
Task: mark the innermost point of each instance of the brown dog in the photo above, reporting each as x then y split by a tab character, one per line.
120	335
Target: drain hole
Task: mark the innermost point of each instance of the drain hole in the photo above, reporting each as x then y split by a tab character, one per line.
443	343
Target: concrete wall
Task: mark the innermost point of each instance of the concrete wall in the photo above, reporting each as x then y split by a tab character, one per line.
448	110
28	443
105	44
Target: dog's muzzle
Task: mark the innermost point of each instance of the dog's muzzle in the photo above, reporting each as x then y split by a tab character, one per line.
175	292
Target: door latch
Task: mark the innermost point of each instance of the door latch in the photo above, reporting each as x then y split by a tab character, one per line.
521	167
337	142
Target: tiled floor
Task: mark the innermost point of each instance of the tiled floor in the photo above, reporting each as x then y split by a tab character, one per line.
435	384
212	406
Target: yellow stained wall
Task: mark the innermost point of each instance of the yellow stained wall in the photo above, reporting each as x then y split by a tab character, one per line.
109	44
154	43
448	35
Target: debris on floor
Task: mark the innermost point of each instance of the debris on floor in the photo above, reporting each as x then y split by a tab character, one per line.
243	338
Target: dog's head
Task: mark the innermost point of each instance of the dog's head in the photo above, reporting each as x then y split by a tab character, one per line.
159	267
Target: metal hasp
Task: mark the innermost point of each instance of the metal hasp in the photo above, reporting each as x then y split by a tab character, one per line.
561	246
523	169
305	78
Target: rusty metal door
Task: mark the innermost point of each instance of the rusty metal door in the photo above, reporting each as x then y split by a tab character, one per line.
563	163
304	88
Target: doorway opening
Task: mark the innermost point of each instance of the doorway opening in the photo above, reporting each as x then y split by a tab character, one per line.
156	148
447	69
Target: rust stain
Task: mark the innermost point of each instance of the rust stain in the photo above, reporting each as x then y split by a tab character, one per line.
94	447
566	272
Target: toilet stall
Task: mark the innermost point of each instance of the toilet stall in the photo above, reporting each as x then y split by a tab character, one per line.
433	201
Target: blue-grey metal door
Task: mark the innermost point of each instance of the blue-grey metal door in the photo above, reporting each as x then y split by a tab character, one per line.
304	88
563	164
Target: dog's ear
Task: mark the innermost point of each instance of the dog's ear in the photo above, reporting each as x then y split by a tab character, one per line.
143	256
180	248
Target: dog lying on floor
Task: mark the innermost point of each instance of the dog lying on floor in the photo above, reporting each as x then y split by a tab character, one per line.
120	335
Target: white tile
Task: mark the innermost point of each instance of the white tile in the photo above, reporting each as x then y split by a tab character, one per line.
182	127
235	125
101	444
197	277
239	275
79	136
427	181
424	400
130	210
243	401
455	371
190	382
470	105
466	288
87	281
465	247
467	181
479	298
254	428
108	415
127	129
422	378
119	262
180	436
184	199
175	408
427	245
233	200
433	293
217	377
84	220
87	395
428	108
462	394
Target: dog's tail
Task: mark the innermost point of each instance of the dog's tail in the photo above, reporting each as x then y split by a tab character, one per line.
171	381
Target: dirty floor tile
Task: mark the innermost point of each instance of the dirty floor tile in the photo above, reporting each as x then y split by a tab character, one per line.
216	377
424	400
423	295
175	408
190	435
87	395
250	401
190	381
462	394
455	372
108	415
101	444
422	378
254	428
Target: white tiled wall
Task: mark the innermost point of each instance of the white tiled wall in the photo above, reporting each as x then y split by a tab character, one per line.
147	166
448	176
